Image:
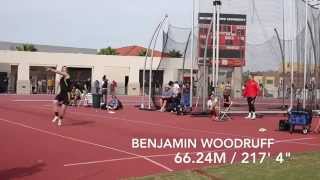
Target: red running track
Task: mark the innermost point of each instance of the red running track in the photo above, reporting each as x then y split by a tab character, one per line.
93	144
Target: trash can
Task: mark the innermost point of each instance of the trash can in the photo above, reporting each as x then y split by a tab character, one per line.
96	100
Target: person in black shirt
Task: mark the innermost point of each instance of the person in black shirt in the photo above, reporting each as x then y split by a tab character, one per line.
62	99
105	89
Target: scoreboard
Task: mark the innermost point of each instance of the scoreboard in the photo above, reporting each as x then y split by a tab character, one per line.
232	38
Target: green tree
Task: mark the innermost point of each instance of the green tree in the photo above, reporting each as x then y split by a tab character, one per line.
174	54
26	47
108	51
143	52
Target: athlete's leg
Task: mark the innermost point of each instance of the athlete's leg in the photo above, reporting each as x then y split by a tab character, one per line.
62	113
253	108
249	106
55	110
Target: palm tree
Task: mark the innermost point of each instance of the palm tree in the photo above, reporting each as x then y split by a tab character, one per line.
143	52
174	54
108	51
26	47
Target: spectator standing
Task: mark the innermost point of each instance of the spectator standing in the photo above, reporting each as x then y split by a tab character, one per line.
50	85
44	86
105	89
39	86
96	87
221	88
88	83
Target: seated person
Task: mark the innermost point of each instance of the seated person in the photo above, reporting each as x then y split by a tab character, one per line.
72	96
77	96
212	106
176	100
84	98
227	95
166	98
114	104
186	95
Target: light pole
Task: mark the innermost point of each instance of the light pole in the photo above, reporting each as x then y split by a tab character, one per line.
218	4
214	29
192	53
284	55
292	60
305	55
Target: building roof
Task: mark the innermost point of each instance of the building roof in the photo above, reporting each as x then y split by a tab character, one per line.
265	73
4	45
123	51
134	51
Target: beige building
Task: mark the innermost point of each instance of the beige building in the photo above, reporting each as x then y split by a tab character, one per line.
270	81
126	70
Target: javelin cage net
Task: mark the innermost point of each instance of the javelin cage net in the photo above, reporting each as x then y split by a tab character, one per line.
281	51
278	42
175	62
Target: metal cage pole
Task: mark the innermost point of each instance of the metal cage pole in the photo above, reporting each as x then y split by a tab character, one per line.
292	56
284	54
214	28
218	3
146	58
205	85
151	62
305	55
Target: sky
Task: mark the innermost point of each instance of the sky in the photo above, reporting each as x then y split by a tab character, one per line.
102	23
88	23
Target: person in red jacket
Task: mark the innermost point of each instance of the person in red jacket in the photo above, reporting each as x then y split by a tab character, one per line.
250	92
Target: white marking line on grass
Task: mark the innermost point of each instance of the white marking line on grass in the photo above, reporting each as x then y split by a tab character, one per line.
166	155
86	142
149	156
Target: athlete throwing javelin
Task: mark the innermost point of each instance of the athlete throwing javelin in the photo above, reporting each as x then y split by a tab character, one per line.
62	99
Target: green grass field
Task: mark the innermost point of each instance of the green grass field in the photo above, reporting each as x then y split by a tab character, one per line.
304	166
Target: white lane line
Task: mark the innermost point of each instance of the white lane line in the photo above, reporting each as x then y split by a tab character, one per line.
175	127
178	128
167	155
32	100
130	158
154	124
99	162
293	140
307	144
86	142
50	100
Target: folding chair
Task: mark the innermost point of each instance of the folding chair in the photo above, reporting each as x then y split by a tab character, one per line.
223	115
